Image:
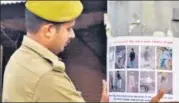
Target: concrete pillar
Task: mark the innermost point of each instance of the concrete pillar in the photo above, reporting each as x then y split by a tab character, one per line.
1	65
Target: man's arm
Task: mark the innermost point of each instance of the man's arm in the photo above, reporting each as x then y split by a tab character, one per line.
159	96
104	96
134	54
55	87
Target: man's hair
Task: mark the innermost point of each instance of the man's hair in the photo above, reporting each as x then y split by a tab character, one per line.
34	23
119	75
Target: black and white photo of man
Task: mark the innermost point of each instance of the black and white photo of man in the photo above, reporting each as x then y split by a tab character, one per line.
120	57
147	57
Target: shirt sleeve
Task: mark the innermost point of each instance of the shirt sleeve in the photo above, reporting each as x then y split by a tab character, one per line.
56	87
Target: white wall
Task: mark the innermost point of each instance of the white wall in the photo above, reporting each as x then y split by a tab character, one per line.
153	16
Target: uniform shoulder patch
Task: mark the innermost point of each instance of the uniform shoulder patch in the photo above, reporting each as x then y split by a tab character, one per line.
58	66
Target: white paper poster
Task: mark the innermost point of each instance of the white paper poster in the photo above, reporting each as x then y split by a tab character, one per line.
137	67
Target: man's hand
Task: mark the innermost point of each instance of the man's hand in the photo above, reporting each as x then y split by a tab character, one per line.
157	98
105	97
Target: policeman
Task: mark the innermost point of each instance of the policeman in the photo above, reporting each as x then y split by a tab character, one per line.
34	73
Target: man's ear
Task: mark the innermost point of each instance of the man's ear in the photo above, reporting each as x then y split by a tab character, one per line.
49	30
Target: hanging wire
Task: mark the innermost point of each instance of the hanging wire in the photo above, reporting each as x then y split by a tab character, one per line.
16	41
5	34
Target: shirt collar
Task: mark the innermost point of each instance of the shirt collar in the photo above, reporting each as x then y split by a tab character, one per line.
43	52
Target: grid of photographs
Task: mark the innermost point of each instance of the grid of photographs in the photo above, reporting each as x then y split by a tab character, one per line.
140	69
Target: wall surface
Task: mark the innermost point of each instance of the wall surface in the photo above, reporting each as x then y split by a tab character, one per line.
153	15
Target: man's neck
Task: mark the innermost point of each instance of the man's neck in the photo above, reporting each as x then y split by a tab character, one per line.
36	38
33	37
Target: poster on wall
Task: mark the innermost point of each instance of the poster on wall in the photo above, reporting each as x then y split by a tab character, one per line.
137	67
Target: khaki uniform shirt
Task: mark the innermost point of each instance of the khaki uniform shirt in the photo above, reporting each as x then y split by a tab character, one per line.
34	74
